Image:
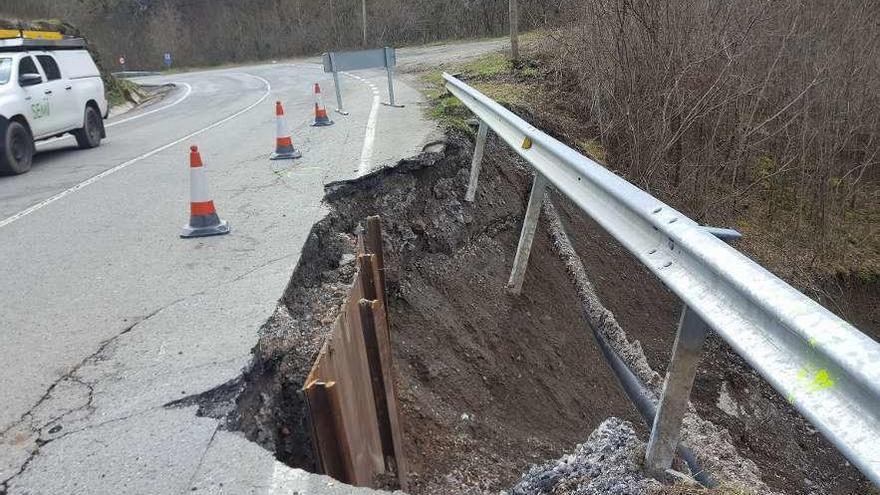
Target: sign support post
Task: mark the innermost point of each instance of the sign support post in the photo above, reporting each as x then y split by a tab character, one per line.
331	58
336	62
389	68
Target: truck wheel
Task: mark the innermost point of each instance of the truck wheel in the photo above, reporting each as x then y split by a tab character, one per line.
90	135
17	151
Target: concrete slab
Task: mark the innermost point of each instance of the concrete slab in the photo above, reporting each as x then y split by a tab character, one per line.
233	465
156	452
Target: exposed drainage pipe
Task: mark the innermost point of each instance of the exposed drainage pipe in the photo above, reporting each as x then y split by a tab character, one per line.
643	400
632	385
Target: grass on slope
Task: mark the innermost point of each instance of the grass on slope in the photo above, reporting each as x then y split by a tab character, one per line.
512	85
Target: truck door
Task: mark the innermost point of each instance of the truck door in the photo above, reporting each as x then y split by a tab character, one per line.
66	111
38	109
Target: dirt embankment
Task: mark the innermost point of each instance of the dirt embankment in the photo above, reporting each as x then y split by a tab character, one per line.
491	383
793	457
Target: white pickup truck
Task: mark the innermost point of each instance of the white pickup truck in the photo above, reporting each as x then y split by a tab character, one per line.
48	87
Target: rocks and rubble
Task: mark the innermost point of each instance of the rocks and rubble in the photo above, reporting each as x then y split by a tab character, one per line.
608	463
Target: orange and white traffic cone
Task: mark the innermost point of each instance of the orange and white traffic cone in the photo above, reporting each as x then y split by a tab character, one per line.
284	149
203	219
321	118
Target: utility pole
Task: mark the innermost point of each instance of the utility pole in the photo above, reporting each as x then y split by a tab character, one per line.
514	32
364	16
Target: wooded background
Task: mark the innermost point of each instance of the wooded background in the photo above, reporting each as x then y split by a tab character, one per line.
764	115
207	32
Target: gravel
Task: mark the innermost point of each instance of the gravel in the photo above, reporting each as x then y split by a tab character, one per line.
712	445
607	464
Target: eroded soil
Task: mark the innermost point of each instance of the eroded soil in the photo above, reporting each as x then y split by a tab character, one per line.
491	383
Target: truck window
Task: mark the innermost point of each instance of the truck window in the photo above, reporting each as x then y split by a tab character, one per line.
5	70
27	66
50	68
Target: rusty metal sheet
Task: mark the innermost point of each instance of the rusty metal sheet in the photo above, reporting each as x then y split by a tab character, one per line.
383	339
350	389
343	361
327	443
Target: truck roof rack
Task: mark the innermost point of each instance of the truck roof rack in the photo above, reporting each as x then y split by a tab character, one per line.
17	40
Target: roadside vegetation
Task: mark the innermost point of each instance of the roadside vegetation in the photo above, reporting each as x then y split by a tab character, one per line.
554	104
763	115
121	91
760	116
517	86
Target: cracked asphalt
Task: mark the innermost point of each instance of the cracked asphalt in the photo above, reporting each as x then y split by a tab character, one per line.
106	315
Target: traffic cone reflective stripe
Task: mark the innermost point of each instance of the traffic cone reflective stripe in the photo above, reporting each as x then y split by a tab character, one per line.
283	142
203	219
321	118
202	208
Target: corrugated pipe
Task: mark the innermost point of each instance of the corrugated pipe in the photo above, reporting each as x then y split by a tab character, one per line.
632	385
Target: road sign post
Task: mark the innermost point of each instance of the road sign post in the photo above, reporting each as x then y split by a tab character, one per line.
167	60
332	59
390	61
335	62
122	63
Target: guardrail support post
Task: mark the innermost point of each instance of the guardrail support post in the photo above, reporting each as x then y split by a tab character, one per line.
727	235
680	375
530	223
477	162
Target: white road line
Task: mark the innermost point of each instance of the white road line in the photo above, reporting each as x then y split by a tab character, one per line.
370	134
133	117
146	155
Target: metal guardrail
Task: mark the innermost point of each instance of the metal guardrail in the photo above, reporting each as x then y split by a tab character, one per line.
820	363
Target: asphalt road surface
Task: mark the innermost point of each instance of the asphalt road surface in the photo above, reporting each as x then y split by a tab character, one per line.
106	314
